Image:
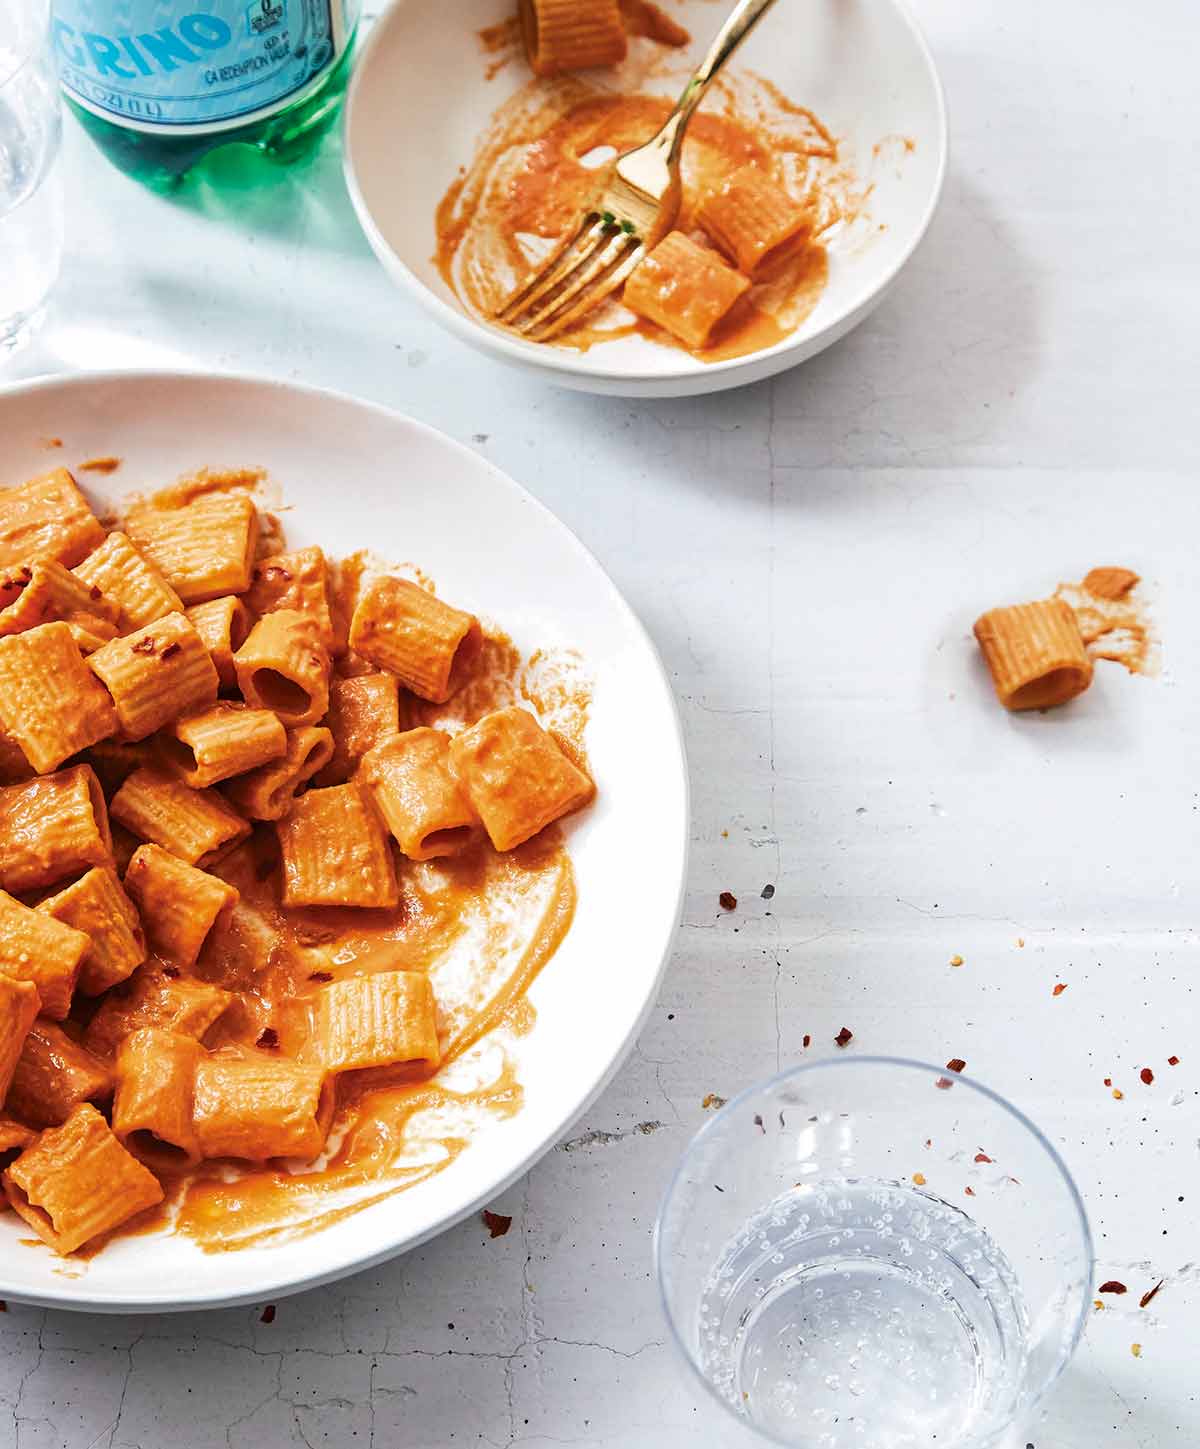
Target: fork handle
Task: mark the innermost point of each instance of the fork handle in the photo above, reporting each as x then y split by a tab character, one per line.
744	17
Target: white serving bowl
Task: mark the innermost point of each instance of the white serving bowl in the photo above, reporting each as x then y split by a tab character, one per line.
420	100
352	474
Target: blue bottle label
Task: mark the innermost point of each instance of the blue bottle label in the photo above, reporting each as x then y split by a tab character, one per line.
195	65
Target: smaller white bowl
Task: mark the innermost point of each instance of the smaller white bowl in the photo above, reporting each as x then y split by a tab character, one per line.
419	101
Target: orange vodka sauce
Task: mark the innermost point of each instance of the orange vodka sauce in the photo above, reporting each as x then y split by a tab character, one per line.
535	171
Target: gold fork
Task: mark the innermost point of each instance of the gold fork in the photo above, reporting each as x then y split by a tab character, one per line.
632	210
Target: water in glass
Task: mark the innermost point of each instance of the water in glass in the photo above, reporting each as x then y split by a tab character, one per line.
864	1314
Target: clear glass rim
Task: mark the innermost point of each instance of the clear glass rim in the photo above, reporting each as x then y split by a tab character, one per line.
843	1064
35	41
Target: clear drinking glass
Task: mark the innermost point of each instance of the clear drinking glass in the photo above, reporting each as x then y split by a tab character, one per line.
31	211
874	1253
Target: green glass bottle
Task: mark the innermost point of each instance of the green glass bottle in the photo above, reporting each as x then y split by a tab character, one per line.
161	84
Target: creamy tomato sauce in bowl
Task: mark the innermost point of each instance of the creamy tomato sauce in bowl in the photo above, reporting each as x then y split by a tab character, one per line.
839	105
543	960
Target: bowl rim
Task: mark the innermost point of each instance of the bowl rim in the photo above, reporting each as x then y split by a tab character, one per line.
576	365
850	1063
73	1294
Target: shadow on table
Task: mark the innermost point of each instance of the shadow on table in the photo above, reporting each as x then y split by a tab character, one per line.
307	201
933	377
1086	1408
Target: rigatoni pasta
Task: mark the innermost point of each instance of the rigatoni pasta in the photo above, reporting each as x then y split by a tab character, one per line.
156	673
298	581
50	703
53	1075
267	793
753	219
179	904
51	828
35	947
516	776
13	764
564	35
15	1137
206	968
156	996
374	1021
426	643
46	518
97	905
152	1101
223	626
1035	654
334	851
77	1182
283	666
362	712
685	288
252	1105
19	1003
204	550
420	800
45	592
226	739
196	825
129	579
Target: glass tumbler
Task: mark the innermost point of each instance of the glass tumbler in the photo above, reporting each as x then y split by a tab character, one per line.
31	208
870	1253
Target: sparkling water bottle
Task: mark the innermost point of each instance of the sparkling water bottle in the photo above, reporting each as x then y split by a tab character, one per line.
159	84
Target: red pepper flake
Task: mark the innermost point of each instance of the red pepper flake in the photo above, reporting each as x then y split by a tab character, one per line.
320	975
1112	1286
807	1040
943	1084
982	1157
928	1142
497	1224
970	1191
171	973
268	1038
1059	988
1148	1298
173	648
956	1064
1146	1075
144	646
844	1036
1108	1081
1172	1061
728	901
268	1314
94	592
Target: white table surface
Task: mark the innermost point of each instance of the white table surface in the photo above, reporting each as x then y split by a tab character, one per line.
808	554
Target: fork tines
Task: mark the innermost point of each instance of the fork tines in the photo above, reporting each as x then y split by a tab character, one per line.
592	264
